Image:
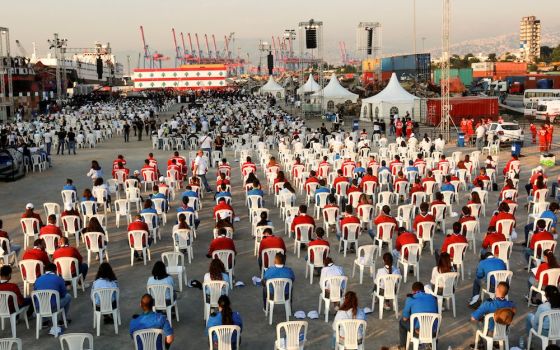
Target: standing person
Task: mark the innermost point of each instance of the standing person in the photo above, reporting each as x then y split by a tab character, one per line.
95	171
480	136
533	129
140	127
71	141
549	133
48	141
543	138
151	319
201	168
61	141
126	131
205	144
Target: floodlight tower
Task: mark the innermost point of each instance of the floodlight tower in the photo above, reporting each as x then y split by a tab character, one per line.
311	42
368	43
444	81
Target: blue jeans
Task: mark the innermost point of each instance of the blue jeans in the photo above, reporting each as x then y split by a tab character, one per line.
205	182
49	145
72	146
65	303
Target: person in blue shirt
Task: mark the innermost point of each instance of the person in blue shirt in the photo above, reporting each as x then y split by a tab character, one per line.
189	192
224	317
255	191
490	306
547	214
185	207
223	192
157	194
383	167
359	170
447	186
150	319
70	186
149	208
321	189
277	271
417	302
51	281
410	168
488	264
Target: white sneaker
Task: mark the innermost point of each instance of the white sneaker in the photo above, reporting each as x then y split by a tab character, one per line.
474	300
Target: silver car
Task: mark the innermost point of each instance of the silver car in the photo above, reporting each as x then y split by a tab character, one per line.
506	131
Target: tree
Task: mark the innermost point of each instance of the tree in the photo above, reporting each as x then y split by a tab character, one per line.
555	56
492	57
546	53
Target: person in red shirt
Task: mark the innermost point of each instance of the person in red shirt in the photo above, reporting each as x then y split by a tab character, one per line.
347	218
177	168
479	180
384	217
404	237
398	127
508	186
466	215
12	246
120	159
443	164
543	139
37	253
371	162
269	240
428	178
29	213
533	129
139	225
324	167
491	237
7	286
549	133
146	170
318	241
533	179
353	187
510	164
503	213
400	180
438	199
222	180
368	177
416	187
395	164
153	162
224	167
312	179
549	262
222	205
541	234
50	228
222	242
301	218
120	168
455	237
248	167
423	216
340	178
66	251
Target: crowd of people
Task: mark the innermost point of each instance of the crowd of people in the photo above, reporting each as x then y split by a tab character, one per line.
407	203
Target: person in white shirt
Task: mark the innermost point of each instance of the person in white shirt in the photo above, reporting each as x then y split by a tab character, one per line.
200	169
330	270
439	143
480	135
205	143
387	269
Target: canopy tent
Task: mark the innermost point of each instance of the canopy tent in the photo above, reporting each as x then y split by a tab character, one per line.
272	87
333	94
394	99
309	86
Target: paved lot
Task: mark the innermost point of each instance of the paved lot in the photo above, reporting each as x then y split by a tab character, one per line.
38	188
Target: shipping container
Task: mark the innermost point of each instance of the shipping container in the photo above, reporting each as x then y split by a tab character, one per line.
420	62
483	66
461	107
482	74
510	67
545	84
387	64
531	80
464	74
515	79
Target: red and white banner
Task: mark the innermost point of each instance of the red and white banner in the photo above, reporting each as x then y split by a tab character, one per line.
190	77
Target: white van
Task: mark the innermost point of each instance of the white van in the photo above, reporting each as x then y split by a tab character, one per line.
548	110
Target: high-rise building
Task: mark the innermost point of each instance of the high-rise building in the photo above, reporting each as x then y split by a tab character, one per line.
530	38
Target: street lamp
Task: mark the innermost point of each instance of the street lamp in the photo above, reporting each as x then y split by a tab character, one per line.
59	46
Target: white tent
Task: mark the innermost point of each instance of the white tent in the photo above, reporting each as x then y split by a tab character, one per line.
393	99
272	87
333	94
309	86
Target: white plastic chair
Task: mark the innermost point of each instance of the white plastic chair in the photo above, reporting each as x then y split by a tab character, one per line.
28	269
425	233
446	282
553	317
122	208
105	296
51	242
458	255
553	278
332	291
349	334
152	220
7	299
391	286
69	197
227	257
349	235
52	209
425	334
319	252
65	265
499	335
224	335
7	255
502	250
95	244
30	228
133	196
365	258
267	258
413	250
140	244
291	335
10	343
211	292
182	241
304	232
44	308
278	286
175	266
330	216
539	250
151	339
159	293
76	341
470	230
71	225
492	281
385	235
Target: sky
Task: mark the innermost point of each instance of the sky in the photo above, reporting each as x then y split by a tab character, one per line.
118	21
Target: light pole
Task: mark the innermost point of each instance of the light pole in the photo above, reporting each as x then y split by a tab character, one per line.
290	35
59	47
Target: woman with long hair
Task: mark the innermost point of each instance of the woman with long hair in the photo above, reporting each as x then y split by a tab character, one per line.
160	276
225	317
443	266
216	272
348	311
99	184
105	278
95	170
552	302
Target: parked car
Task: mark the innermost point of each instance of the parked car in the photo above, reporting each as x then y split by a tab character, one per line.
506	131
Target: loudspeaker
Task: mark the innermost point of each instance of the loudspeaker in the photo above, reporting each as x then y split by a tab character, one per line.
310	38
369	40
270	61
99	63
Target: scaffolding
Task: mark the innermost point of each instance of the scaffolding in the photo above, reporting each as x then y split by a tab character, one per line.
310	57
6	88
367	49
445	105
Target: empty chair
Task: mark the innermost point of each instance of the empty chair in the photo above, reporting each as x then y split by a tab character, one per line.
365	258
71	226
291	335
410	257
105	302
95	244
42	302
76	341
457	253
9	309
11	344
425	333
30	228
278	291
332	291
349	334
30	269
175	266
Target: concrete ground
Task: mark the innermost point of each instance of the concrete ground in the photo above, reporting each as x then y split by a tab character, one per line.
257	333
